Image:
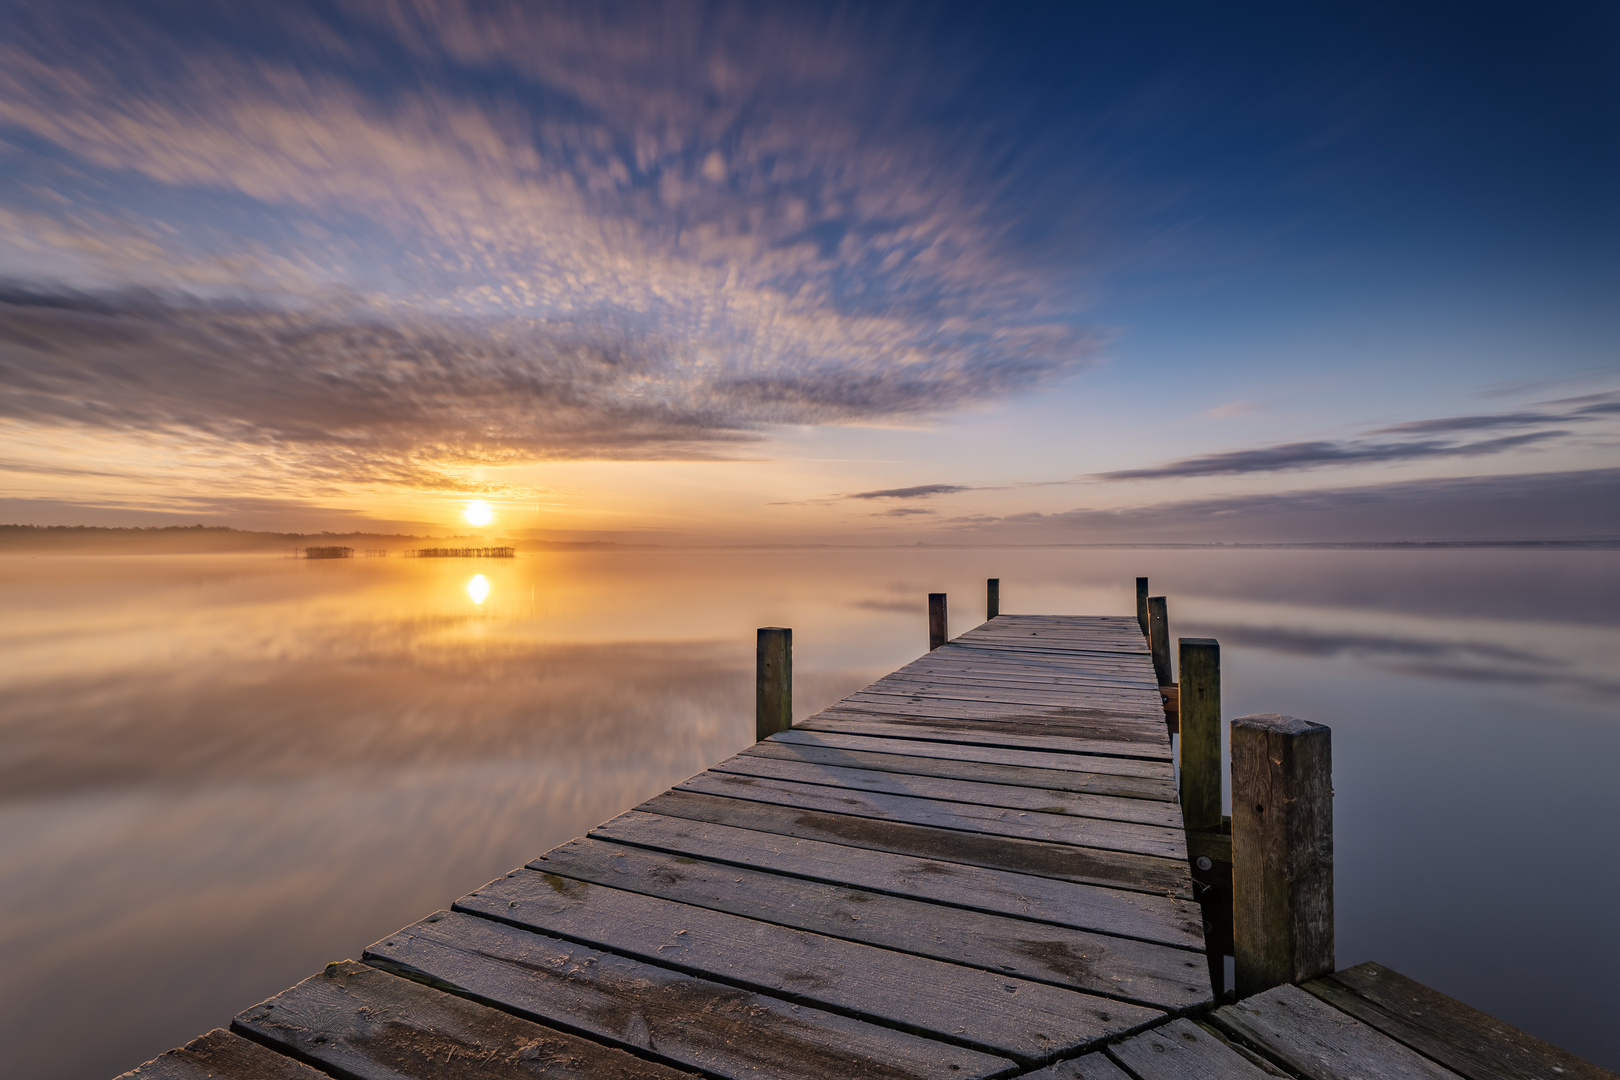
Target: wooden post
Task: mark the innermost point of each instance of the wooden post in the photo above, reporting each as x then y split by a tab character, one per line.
1141	604
937	634
992	598
1199	707
1282	851
1159	639
773	681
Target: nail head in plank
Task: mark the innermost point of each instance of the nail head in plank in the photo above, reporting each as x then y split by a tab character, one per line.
367	1023
679	1019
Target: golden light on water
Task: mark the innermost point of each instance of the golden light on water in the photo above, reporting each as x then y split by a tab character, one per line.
479	513
478	588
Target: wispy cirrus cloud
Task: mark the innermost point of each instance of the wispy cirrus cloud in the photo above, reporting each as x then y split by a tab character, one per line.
1310	455
921	491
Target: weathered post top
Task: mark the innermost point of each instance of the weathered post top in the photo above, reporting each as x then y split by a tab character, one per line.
937	633
1282	851
1159	639
1198	706
773	681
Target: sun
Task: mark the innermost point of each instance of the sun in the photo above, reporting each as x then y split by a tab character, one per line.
478	513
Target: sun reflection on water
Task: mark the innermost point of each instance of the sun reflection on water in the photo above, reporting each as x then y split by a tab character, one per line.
478	588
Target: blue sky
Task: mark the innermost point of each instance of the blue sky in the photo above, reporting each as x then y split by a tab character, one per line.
1058	273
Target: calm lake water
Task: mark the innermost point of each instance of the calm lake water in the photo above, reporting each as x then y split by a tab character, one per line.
219	772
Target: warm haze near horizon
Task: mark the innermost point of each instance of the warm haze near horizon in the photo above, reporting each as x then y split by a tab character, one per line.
803	272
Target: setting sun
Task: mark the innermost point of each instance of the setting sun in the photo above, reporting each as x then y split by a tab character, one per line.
478	513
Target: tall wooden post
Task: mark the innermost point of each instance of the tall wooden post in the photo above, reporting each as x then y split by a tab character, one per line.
1199	706
1141	604
1159	639
1282	851
937	634
773	681
992	598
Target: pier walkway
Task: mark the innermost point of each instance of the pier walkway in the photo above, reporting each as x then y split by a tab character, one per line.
974	867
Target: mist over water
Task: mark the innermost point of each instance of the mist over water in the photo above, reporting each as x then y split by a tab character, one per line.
219	772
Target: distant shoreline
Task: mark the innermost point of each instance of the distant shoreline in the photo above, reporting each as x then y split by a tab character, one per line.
220	539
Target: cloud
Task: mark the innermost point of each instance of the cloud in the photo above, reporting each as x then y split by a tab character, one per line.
1589	407
1580	505
901	511
918	492
1310	455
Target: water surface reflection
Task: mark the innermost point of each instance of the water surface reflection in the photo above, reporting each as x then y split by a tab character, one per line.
218	773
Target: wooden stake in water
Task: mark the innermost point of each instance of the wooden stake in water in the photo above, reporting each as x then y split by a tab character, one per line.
1199	708
1141	604
1282	851
992	598
937	634
773	681
1159	639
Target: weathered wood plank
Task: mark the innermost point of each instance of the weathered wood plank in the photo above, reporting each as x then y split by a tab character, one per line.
1149	917
949	789
1315	1040
990	1011
1094	866
1181	1050
1139	720
1076	679
371	1025
1093	1066
1458	1036
1043	736
1089	783
1148	974
220	1055
663	1014
931	690
1019	761
1055	828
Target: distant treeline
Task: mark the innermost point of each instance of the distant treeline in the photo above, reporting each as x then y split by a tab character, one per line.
199	539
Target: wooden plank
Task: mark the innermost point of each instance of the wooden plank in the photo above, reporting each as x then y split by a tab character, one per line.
1140	720
1094	866
1017	761
932	690
1458	1036
989	1011
1141	737
1063	737
1148	974
662	1014
1181	1050
1144	916
1094	1066
220	1055
1069	677
1132	787
778	766
1314	1040
1124	836
368	1024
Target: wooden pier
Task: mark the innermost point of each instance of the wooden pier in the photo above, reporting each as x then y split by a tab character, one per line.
975	867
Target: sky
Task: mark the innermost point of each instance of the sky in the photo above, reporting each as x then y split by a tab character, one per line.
791	272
